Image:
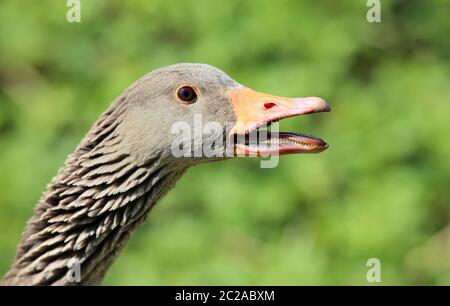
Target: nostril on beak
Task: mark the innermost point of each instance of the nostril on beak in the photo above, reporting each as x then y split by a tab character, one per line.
269	105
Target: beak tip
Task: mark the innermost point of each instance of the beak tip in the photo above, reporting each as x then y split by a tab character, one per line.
315	103
321	105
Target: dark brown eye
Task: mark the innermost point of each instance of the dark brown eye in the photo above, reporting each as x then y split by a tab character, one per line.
187	94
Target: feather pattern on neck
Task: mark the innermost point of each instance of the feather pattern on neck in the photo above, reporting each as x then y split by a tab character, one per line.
91	207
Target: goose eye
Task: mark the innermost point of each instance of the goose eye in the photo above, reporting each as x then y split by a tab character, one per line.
187	94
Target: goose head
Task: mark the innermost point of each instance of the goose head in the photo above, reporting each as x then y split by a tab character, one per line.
193	113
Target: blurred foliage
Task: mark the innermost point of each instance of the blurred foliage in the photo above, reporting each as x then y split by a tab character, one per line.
381	190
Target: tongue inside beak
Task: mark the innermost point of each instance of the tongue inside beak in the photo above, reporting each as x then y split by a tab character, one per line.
255	110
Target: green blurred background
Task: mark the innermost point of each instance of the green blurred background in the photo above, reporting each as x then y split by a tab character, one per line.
380	191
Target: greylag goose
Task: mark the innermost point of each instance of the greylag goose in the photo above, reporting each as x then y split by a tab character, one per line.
126	163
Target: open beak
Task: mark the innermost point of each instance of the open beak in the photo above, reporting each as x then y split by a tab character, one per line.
254	110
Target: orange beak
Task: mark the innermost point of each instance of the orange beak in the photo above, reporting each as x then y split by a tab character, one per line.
254	109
